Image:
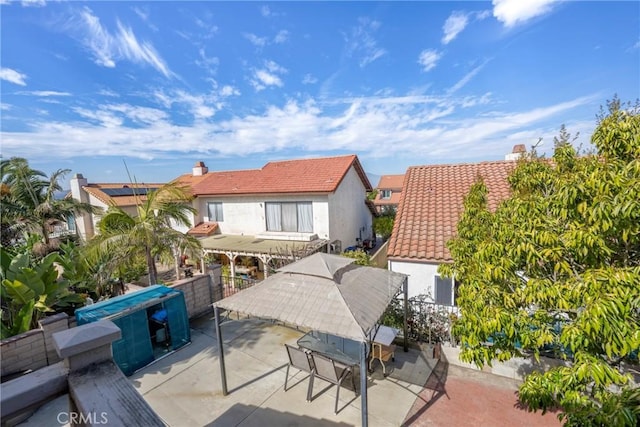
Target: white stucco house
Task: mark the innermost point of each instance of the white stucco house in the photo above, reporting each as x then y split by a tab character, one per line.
102	195
428	213
293	205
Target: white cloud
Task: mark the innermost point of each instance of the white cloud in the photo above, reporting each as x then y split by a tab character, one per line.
4	106
441	126
34	3
514	12
229	91
309	79
467	78
135	51
429	59
13	76
266	12
200	106
208	63
43	93
255	40
268	76
362	44
123	44
455	23
274	67
262	79
281	37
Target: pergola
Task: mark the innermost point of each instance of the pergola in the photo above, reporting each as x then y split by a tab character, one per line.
325	293
265	250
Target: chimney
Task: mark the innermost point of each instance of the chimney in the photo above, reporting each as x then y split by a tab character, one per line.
200	169
84	221
518	151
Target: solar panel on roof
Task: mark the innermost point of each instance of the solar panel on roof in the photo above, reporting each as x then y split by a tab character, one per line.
127	191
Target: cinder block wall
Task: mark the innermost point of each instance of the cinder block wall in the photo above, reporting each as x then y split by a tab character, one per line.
199	291
33	349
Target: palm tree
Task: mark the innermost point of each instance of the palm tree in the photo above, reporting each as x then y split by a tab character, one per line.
149	233
28	200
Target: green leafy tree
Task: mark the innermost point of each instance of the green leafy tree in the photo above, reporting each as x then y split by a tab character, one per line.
360	256
556	270
383	224
30	289
28	203
149	233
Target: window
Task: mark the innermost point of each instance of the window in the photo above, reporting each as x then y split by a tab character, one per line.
71	223
445	292
386	194
289	216
215	211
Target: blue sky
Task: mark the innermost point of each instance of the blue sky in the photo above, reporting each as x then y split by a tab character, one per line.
160	85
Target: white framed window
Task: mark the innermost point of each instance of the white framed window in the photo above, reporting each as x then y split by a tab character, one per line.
386	194
289	216
446	290
214	210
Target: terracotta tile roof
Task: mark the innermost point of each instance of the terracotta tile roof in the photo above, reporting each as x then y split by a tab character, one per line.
389	182
189	180
431	204
320	175
97	190
204	229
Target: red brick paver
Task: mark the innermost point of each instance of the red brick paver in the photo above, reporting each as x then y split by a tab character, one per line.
456	396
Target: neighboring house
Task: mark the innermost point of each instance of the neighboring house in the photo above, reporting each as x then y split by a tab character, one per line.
428	213
389	189
285	207
124	195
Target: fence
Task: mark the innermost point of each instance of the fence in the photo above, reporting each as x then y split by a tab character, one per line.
231	285
426	321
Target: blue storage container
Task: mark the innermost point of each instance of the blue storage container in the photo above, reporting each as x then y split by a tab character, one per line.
153	321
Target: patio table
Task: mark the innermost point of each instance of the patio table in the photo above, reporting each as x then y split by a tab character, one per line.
325	344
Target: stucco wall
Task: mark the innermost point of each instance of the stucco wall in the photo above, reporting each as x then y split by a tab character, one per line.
246	215
349	216
421	276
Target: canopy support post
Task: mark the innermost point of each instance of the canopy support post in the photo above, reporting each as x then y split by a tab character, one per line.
223	373
405	291
363	384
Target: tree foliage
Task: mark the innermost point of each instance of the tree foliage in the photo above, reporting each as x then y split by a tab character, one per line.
556	270
29	289
28	201
148	234
383	224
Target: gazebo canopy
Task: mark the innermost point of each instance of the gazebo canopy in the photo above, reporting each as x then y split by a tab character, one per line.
326	293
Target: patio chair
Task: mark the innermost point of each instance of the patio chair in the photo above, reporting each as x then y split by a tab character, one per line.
333	372
299	359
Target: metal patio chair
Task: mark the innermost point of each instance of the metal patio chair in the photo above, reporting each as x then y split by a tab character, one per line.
333	372
299	359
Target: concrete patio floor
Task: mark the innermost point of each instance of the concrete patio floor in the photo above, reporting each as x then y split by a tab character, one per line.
184	388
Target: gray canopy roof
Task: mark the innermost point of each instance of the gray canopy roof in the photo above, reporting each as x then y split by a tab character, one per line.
326	293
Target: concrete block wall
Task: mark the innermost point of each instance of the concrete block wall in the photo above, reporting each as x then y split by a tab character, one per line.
516	368
23	352
49	325
198	292
33	349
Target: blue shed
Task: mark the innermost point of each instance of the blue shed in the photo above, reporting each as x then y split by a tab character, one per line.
154	322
